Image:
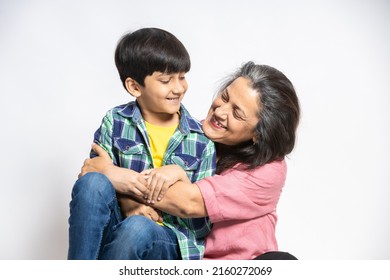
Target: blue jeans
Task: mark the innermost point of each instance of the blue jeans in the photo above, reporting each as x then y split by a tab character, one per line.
97	230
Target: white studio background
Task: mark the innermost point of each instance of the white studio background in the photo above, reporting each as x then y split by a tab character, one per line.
58	78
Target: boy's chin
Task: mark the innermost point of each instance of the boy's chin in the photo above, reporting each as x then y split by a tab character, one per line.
173	110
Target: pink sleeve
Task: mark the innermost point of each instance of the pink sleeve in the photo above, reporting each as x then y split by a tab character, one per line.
243	195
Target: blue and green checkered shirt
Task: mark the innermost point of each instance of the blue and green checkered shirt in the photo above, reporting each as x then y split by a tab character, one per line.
123	135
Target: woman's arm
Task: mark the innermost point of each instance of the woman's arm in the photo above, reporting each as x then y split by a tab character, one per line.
161	178
183	200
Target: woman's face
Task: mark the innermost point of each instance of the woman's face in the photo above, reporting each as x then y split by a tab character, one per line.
233	115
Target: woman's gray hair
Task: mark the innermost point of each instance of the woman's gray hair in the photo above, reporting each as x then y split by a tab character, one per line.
279	114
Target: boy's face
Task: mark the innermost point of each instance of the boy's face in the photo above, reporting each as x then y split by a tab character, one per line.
161	96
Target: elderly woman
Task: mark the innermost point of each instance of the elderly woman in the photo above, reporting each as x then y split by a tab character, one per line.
253	122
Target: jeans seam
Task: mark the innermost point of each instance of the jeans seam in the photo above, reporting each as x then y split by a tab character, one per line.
112	210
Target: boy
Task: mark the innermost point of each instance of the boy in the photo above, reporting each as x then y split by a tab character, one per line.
152	131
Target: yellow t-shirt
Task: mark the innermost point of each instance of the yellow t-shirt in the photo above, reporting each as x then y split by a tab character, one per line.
159	137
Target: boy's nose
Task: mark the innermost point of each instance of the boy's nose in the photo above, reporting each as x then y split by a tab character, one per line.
179	87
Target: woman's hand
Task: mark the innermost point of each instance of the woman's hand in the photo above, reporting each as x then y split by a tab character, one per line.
125	181
160	179
129	207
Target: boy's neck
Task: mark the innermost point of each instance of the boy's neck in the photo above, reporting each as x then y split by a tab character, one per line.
161	119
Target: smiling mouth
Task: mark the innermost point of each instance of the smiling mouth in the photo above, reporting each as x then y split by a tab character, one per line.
216	123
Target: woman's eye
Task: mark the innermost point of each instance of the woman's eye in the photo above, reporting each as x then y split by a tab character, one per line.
237	115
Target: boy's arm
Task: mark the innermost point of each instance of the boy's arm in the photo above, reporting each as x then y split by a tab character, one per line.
103	136
135	182
120	179
124	181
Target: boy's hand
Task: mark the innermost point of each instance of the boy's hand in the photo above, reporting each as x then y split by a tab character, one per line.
124	180
97	164
135	185
160	179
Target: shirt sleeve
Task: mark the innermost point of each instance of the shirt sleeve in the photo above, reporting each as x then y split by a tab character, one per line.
103	135
202	226
243	195
207	165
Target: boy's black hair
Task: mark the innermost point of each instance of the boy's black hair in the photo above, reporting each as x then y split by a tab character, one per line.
142	52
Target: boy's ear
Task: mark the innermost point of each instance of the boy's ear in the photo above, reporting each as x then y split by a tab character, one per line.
133	87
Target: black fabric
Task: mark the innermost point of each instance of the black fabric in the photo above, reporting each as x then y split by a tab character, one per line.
276	255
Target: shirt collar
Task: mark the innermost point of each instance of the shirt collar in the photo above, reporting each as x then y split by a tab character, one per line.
131	111
188	123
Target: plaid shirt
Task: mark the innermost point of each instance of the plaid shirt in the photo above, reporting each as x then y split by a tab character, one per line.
123	135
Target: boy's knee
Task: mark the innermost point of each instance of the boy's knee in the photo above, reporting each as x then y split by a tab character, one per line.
140	228
138	223
140	238
93	184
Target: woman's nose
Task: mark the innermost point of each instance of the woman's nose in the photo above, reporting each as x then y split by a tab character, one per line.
221	111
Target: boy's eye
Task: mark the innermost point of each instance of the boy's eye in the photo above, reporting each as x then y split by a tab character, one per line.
165	81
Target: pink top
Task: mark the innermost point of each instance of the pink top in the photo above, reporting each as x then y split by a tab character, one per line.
242	207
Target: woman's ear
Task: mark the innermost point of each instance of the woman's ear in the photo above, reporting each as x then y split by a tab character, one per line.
133	87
